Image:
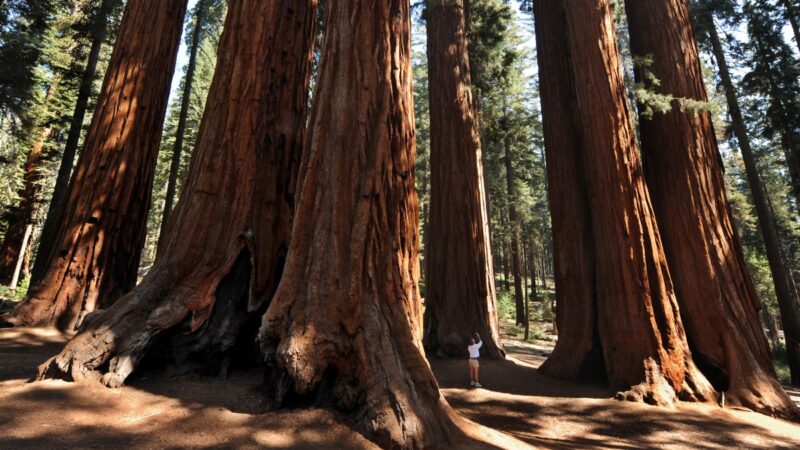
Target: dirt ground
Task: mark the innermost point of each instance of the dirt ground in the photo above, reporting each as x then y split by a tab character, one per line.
155	411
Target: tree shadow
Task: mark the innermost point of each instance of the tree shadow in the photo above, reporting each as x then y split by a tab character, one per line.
551	413
154	410
514	375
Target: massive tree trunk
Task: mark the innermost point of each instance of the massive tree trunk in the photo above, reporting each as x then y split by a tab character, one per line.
640	331
346	323
102	231
683	169
460	291
20	222
785	289
177	149
225	247
577	353
54	212
514	229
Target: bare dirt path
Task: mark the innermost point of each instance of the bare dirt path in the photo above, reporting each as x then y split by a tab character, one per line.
201	412
551	413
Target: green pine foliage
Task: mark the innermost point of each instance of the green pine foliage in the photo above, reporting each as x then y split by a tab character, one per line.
46	100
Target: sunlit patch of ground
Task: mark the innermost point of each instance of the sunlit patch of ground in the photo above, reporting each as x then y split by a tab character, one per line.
157	411
551	413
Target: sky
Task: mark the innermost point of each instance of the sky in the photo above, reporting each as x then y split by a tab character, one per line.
183	59
526	30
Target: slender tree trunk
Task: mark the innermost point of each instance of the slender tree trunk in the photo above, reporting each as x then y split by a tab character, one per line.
785	289
225	248
513	219
791	12
506	253
543	267
102	230
523	272
683	170
54	212
460	291
768	321
26	239
177	149
640	331
14	245
531	269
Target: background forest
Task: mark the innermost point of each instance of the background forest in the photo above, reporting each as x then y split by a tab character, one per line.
53	54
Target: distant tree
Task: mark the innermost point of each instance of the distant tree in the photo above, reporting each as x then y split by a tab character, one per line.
200	14
775	75
22	34
791	10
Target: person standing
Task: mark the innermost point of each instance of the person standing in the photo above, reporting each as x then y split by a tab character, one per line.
473	348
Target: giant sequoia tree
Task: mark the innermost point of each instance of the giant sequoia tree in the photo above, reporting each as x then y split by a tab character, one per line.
682	166
785	288
102	229
345	323
633	314
97	32
225	246
460	291
577	353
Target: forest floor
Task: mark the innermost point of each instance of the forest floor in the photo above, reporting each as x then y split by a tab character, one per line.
156	411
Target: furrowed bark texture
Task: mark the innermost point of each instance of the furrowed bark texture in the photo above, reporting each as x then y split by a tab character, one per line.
101	233
577	352
683	169
460	292
640	331
346	322
54	212
785	288
226	243
177	149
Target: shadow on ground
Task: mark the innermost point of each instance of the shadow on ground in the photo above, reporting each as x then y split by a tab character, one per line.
156	411
551	413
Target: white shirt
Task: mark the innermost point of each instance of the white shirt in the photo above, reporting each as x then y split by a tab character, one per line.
474	350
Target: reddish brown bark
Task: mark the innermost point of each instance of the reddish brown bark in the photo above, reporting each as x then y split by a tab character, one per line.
346	322
177	148
577	352
101	233
22	217
637	320
683	169
785	288
460	291
226	244
54	211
